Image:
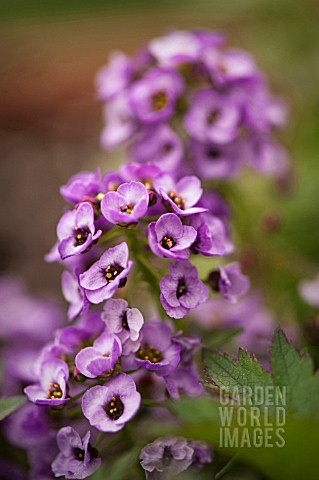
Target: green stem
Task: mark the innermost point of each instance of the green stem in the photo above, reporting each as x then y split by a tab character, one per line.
226	467
98	439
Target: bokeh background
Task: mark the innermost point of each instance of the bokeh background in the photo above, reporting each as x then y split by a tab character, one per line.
50	122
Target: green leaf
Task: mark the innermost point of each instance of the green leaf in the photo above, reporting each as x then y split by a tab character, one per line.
223	372
9	404
295	372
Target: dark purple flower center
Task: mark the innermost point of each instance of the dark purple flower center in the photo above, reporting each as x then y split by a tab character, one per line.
177	199
124	322
214	279
81	235
213	153
54	391
167	456
112	271
212	117
159	100
127	208
80	454
150	353
167	242
114	409
181	288
167	147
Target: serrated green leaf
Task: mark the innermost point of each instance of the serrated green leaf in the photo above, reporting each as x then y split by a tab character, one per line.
9	404
225	373
295	372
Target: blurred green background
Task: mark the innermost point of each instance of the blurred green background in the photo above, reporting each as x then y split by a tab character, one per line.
50	122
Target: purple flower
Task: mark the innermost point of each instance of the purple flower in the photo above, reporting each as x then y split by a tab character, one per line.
183	381
168	237
212	118
176	48
81	186
181	290
158	351
76	230
106	275
267	156
309	291
229	281
215	161
74	294
77	458
202	453
160	144
228	67
114	77
180	196
153	97
52	388
211	237
110	406
124	322
166	457
28	426
101	358
120	122
126	205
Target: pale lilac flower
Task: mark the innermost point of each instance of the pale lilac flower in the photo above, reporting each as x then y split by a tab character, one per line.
166	457
127	204
106	275
81	186
159	144
110	406
74	294
76	230
215	161
212	118
153	97
230	282
168	237
183	381
181	290
202	453
77	458
114	77
227	67
181	196
309	291
177	47
52	387
120	123
101	357
124	322
212	239
158	351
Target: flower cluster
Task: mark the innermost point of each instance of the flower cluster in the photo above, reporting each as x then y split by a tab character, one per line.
189	103
133	243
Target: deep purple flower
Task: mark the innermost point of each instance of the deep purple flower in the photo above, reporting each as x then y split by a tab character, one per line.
101	357
212	239
127	204
153	97
158	351
212	118
166	457
81	186
189	346
52	387
106	275
309	291
159	144
28	426
110	406
74	294
181	290
76	230
114	77
183	381
77	458
178	47
229	281
120	122
124	322
168	237
180	196
215	161
202	453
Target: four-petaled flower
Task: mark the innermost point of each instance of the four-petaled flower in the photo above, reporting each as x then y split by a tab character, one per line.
51	390
127	204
